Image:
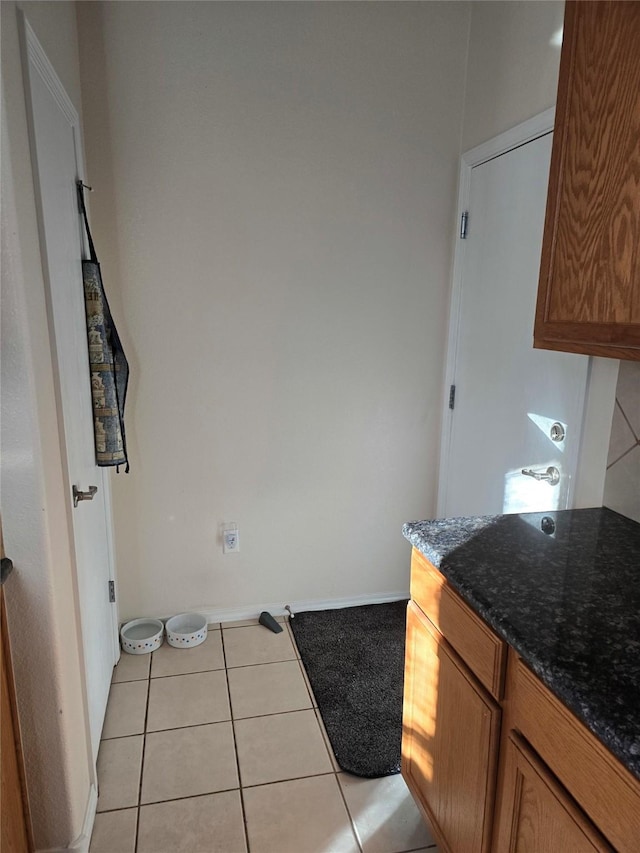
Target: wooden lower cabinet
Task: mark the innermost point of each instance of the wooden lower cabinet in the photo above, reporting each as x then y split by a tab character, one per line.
512	772
536	814
451	729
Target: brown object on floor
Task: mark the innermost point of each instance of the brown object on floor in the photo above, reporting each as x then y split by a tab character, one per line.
15	834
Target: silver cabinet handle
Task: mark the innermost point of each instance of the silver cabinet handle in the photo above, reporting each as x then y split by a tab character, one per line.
83	496
551	475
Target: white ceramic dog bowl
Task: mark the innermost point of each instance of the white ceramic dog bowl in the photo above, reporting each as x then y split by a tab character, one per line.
141	636
186	630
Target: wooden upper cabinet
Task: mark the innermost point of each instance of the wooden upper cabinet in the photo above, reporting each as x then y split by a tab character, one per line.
589	289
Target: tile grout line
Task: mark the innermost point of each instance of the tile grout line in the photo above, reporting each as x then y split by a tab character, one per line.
214	669
314	702
327	742
626	453
624	415
307	684
179	674
238	788
211	669
282	781
263	663
273	714
324	736
176	799
144	749
214	722
633	433
235	749
346	805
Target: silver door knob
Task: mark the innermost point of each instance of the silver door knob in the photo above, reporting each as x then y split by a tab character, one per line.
83	496
551	475
557	432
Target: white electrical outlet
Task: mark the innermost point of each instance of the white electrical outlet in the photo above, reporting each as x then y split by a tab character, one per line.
230	539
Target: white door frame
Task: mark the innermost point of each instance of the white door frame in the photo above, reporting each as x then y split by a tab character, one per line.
588	486
34	55
529	130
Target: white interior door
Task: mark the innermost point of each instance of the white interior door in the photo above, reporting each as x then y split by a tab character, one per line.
508	396
57	156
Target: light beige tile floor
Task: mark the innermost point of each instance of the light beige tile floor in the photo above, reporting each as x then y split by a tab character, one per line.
268	688
168	660
119	765
221	749
188	700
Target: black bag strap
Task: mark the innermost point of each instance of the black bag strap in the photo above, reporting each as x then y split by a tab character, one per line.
92	250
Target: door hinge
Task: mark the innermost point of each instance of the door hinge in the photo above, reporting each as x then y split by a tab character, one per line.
464	222
452	396
112	591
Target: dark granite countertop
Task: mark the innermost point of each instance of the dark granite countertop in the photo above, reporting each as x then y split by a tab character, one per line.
568	601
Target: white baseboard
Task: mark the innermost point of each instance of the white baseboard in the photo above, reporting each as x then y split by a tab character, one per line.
81	844
235	614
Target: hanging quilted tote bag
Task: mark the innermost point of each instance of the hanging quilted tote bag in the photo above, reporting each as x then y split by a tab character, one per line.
107	362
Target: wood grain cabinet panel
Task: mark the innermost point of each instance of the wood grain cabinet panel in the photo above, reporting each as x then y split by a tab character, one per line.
589	289
537	814
450	740
598	782
480	648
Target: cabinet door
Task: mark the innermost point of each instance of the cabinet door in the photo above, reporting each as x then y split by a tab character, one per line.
537	815
450	739
589	290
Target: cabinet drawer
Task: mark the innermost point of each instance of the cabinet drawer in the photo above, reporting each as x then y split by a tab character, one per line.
482	651
599	783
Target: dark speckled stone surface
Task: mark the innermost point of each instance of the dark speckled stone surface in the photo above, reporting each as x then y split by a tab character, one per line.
568	602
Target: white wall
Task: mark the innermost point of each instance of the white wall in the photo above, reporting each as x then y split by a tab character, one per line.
273	210
512	72
40	594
